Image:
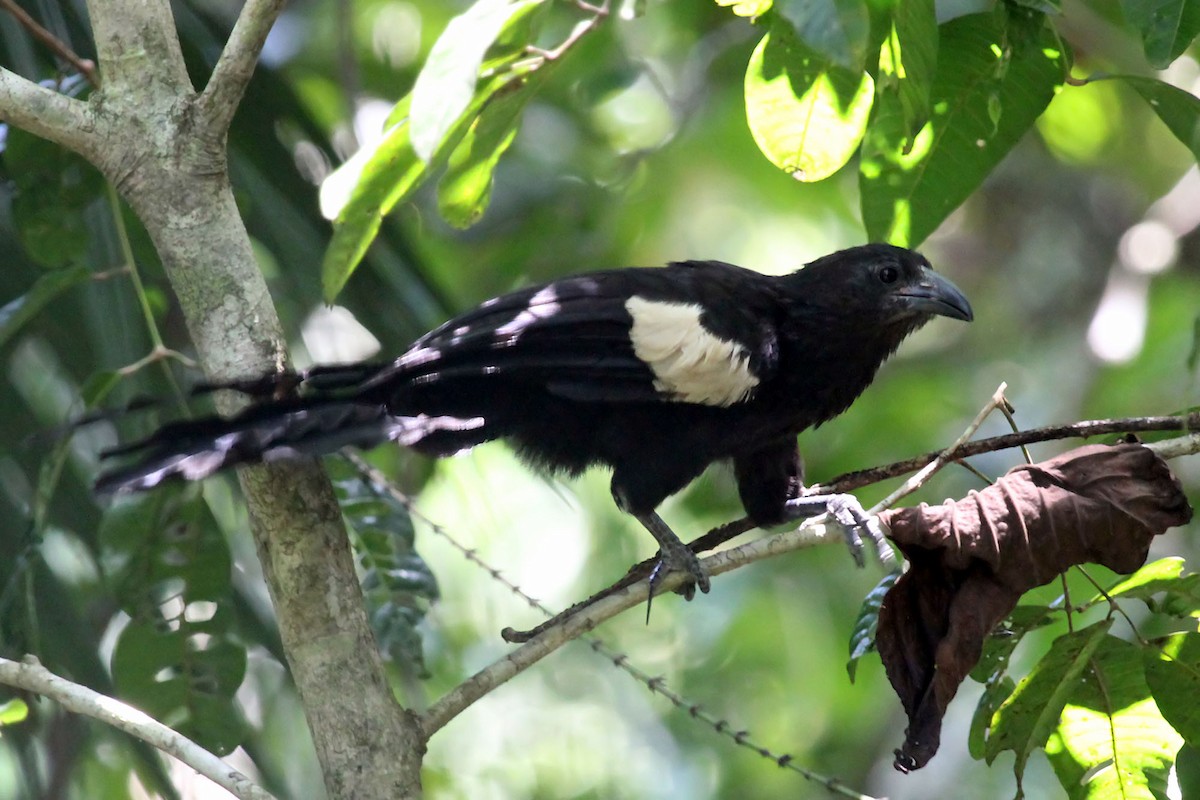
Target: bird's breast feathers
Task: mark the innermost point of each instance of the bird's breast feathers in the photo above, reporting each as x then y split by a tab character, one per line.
690	363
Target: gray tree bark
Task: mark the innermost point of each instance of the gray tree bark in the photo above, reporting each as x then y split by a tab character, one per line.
163	146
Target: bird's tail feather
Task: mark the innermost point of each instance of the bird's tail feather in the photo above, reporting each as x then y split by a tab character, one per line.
194	449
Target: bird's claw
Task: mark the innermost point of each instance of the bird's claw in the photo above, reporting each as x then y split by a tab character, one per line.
849	513
680	559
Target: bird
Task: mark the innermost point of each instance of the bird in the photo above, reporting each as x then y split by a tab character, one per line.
652	372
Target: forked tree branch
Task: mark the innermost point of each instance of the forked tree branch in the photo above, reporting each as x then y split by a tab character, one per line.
223	94
31	676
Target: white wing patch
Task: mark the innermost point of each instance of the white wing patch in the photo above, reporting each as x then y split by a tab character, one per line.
690	362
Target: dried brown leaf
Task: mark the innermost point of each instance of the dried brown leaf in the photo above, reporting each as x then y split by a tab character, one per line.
970	560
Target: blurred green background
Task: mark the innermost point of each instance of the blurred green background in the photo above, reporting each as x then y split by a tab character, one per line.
1079	256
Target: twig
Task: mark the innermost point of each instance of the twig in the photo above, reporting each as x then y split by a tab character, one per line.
84	66
946	456
1098	427
234	68
551	638
30	675
581	29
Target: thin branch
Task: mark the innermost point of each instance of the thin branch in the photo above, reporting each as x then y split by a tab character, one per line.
46	113
30	675
223	94
1098	427
83	66
656	685
582	620
946	456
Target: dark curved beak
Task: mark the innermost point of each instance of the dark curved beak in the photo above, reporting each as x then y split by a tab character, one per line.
933	294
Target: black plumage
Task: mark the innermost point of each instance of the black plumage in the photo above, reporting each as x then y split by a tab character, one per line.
655	373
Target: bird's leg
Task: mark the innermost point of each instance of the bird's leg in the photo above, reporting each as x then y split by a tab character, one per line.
848	513
673	555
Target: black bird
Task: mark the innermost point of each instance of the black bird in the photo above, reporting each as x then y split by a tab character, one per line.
655	373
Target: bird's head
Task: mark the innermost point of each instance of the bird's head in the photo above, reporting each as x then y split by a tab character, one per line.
891	285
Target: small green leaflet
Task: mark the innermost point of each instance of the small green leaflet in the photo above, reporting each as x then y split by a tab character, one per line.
862	638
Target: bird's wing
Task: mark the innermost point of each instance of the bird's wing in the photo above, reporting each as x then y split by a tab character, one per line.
619	336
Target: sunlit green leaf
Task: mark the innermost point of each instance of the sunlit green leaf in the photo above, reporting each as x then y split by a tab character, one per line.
13	711
379	177
1179	110
1167	27
466	188
806	114
747	8
999	645
1153	577
1029	715
835	30
862	637
996	72
995	693
447	82
1173	674
1111	740
17	313
908	61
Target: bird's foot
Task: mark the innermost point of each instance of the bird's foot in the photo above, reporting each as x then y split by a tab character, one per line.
673	556
849	513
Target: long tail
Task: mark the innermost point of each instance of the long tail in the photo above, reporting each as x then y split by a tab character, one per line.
273	430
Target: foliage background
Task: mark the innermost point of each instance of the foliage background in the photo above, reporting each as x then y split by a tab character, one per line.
1083	280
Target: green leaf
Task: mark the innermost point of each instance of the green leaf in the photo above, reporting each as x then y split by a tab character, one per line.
837	30
1173	674
1111	740
908	62
862	637
53	186
368	186
13	712
1187	771
995	693
169	567
806	114
747	8
996	73
1026	719
1179	110
17	313
466	187
1167	27
998	647
1154	577
447	83
398	585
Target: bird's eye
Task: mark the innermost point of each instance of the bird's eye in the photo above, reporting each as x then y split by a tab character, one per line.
889	274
